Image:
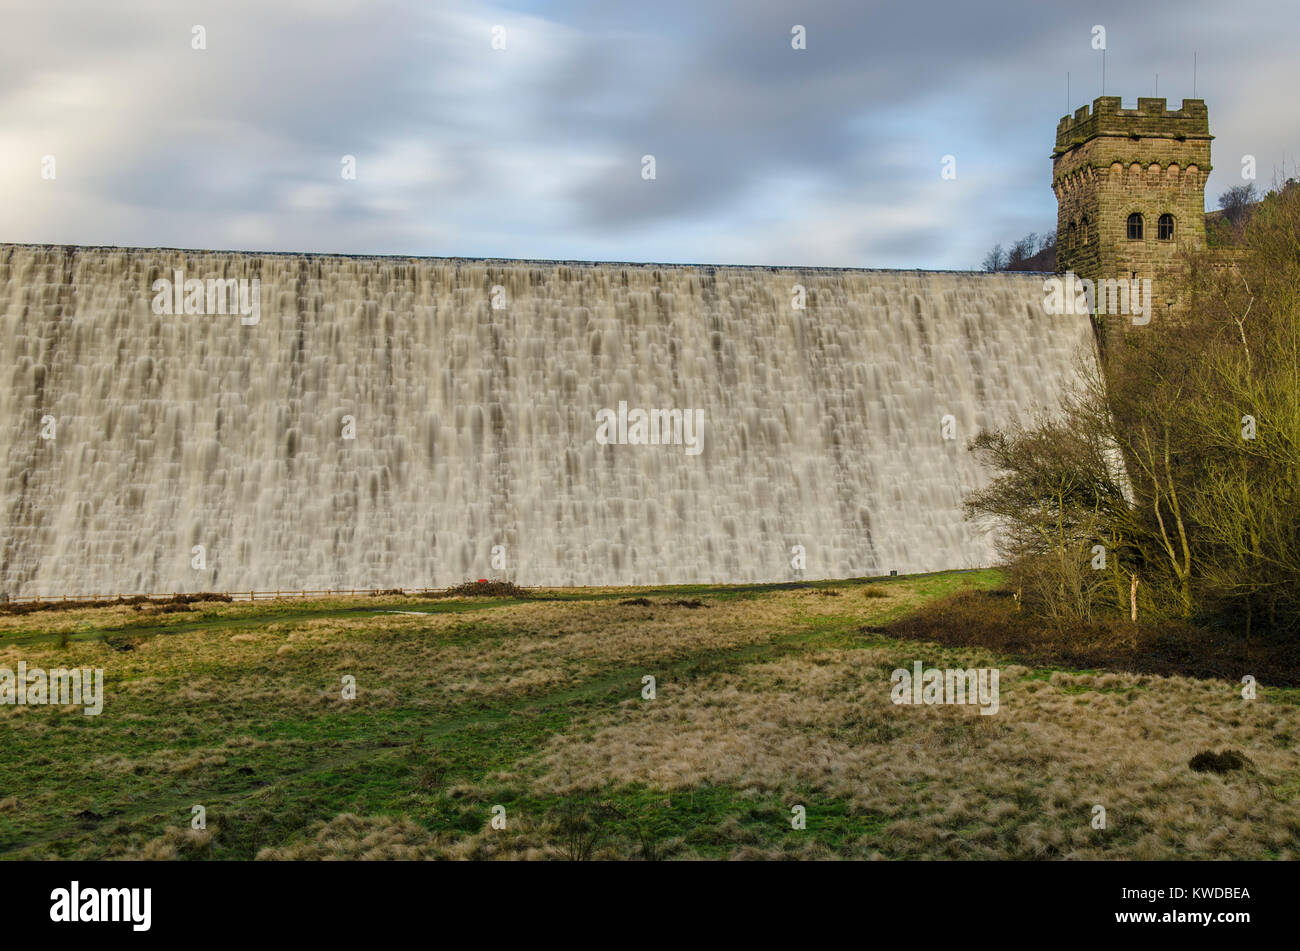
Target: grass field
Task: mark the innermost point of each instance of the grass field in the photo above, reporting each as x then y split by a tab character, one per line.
767	698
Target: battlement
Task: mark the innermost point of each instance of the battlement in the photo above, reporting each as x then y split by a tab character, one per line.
1151	119
1130	193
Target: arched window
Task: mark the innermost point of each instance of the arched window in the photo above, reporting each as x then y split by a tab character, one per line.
1135	227
1072	243
1083	231
1165	228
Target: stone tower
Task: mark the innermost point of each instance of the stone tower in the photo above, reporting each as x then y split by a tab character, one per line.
1130	192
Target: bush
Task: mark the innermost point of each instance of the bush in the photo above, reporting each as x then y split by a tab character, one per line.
483	589
1178	460
33	607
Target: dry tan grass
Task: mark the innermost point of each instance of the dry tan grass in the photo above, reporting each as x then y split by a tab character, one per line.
812	725
949	782
173	844
349	837
433	659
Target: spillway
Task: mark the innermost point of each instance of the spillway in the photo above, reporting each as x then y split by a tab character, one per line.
395	421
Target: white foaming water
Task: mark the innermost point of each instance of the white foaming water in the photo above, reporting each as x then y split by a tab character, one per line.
476	426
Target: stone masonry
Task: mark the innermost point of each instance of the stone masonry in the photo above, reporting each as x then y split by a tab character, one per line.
1111	163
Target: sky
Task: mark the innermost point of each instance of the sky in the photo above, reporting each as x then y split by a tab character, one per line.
831	155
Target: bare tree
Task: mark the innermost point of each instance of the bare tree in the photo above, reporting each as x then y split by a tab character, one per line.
995	260
1236	201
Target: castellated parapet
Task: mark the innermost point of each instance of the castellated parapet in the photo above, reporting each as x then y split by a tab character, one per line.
1130	190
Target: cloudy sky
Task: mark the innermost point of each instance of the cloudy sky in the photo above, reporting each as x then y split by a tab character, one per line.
763	154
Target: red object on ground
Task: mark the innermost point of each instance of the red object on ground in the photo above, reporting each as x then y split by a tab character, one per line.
482	581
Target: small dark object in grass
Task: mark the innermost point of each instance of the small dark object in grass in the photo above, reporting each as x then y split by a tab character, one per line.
639	602
693	603
1207	761
86	815
174	608
828	592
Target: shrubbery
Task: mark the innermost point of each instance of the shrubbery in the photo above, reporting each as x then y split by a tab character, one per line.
1175	468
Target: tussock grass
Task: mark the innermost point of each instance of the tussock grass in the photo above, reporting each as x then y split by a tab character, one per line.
769	698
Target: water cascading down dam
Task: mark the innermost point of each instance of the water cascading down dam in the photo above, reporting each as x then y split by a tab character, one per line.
394	422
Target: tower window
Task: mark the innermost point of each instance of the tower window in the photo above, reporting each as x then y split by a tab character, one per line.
1083	231
1074	235
1165	228
1135	227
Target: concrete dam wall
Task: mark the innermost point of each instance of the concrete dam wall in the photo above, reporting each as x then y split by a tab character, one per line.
338	422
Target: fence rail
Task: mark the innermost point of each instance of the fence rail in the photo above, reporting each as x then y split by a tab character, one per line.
233	595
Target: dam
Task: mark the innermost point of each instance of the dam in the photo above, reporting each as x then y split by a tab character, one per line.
412	422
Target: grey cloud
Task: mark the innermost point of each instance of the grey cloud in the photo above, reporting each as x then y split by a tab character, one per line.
537	151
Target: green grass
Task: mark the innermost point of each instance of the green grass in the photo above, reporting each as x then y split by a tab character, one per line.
448	723
320	764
